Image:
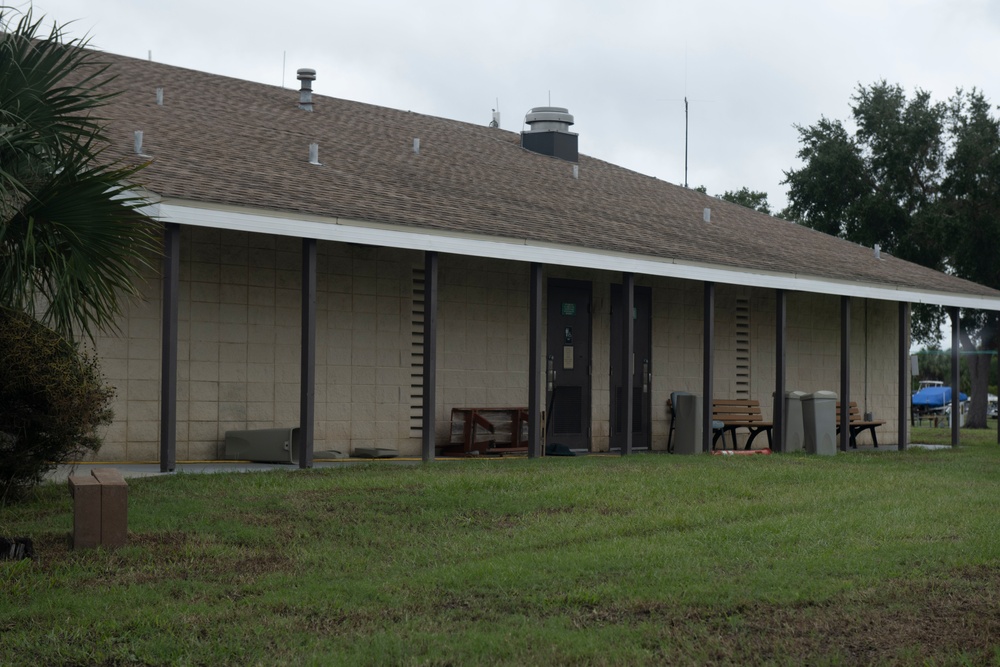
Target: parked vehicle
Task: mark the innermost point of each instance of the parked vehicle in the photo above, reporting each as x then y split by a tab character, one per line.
933	395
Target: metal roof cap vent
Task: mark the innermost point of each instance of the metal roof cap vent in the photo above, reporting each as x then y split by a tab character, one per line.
549	133
546	119
306	76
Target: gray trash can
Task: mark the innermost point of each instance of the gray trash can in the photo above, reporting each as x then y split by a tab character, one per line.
687	412
819	421
795	436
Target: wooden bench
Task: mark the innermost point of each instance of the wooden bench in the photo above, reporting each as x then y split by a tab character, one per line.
736	414
857	424
477	431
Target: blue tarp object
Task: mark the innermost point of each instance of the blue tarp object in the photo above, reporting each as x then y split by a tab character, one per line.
935	397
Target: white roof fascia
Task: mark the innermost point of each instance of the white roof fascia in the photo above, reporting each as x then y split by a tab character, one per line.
522	250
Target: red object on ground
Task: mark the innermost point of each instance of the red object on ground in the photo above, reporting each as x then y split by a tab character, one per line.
740	452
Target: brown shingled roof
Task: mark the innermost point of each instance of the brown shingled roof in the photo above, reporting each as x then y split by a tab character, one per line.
225	141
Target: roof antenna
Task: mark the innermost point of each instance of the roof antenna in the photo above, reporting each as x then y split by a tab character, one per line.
496	115
685	114
284	54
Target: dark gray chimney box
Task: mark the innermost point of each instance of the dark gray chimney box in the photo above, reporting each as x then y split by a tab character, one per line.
549	133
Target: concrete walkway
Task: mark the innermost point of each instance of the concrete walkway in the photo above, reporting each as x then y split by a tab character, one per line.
61	473
128	469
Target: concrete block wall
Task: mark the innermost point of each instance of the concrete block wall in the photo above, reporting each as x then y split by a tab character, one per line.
130	362
813	352
240	340
483	324
813	349
875	364
239	350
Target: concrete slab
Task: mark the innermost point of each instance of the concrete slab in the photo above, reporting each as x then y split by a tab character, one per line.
133	470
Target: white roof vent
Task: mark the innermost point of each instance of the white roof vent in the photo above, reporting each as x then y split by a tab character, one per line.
549	119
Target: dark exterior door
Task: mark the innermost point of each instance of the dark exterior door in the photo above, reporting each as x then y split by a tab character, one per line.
569	363
641	369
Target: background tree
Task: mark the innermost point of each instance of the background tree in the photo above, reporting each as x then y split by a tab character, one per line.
935	364
73	237
921	179
972	192
754	199
73	241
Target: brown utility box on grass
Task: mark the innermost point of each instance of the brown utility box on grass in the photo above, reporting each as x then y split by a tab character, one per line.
86	493
100	509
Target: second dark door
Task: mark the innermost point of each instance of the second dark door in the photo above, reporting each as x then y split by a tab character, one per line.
641	371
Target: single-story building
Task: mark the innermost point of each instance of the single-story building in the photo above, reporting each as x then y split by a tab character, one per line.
358	272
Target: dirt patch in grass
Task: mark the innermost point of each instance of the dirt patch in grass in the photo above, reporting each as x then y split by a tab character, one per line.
904	622
151	558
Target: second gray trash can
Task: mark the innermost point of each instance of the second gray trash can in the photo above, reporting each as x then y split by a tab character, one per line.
819	419
794	429
687	412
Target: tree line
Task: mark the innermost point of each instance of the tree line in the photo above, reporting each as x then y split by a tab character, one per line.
73	240
920	178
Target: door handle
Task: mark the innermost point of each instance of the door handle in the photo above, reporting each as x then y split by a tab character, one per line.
646	376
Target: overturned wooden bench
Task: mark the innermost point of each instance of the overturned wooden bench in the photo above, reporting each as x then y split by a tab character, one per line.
737	413
477	431
857	424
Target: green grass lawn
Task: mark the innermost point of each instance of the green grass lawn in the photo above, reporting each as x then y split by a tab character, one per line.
862	558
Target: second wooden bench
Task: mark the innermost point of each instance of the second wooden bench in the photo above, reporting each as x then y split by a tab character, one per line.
736	414
857	424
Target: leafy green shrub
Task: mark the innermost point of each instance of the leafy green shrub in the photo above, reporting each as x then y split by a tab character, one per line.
52	401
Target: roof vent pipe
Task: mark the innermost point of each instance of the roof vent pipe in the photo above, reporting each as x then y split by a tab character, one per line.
159	97
416	145
306	77
878	251
313	153
138	142
576	171
707	215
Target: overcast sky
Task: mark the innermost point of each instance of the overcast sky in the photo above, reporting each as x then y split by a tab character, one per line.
750	70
